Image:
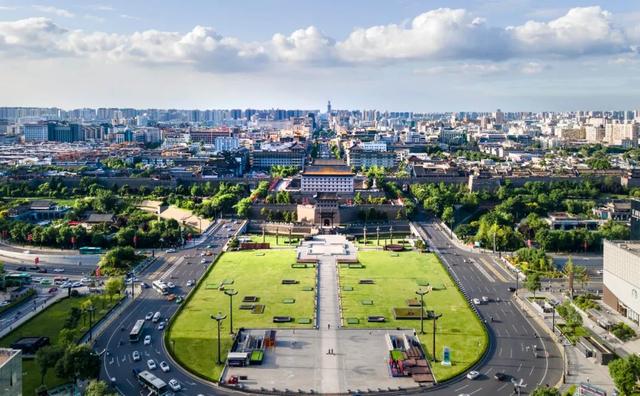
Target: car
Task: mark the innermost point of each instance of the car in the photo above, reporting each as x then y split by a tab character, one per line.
161	326
53	290
473	375
202	254
136	356
58	270
209	246
3	303
144	285
85	281
599	272
171	285
174	385
65	285
148	316
21	268
511	289
27	252
179	300
189	283
164	366
485	299
171	297
147	340
42	270
151	364
34	268
203	261
76	284
500	376
476	301
170	251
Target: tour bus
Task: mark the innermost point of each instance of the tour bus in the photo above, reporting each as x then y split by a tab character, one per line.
153	384
22	278
160	287
90	250
137	330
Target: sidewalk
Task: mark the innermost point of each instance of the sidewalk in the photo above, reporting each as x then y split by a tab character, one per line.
579	368
106	321
59	296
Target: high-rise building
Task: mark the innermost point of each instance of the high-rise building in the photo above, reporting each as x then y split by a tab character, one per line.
65	133
35	132
329	107
621	277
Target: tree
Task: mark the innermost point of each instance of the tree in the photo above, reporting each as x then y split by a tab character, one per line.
569	270
66	337
98	388
113	285
533	282
545	391
447	216
624	375
46	358
582	275
78	362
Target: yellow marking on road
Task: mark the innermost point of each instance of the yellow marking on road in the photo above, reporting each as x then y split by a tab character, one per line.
495	271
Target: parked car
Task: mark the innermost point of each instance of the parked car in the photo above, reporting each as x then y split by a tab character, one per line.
147	340
473	375
151	364
136	356
164	366
174	385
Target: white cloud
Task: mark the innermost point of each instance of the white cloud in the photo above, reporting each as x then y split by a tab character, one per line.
450	35
54	10
8	8
127	16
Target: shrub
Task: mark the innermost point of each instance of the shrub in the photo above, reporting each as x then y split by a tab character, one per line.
622	331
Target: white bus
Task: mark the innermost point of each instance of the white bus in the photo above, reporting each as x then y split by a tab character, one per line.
152	383
136	332
160	287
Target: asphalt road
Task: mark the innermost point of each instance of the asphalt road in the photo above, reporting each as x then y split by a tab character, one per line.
178	268
513	336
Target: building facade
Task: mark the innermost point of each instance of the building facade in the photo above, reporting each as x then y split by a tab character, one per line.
621	277
265	159
327	176
358	157
35	132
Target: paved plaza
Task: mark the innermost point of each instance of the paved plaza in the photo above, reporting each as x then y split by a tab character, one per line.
301	359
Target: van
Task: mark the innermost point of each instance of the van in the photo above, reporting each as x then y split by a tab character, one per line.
156	317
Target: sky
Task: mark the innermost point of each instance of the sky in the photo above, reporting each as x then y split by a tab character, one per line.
396	55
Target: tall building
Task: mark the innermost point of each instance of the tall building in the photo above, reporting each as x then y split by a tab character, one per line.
10	372
329	107
65	133
635	219
35	132
621	277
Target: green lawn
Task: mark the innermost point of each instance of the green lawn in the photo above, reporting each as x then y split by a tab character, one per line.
48	324
396	278
193	334
283	238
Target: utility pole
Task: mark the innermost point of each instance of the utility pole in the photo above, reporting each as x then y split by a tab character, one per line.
231	293
219	318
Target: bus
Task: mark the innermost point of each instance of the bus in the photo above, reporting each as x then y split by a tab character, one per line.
160	287
21	278
137	330
153	384
90	250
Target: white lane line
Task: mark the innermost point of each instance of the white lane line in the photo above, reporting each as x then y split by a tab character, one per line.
500	352
507	331
519	367
488	371
482	271
461	388
475	391
502	387
531	372
511	353
514	329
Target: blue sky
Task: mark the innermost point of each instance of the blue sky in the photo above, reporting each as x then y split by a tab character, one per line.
395	55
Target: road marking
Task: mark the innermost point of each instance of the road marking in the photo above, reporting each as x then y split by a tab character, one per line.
519	367
531	372
488	371
491	268
514	328
502	387
461	388
482	271
511	353
500	352
475	391
507	331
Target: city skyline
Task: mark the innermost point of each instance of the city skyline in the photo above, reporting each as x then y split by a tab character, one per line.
396	56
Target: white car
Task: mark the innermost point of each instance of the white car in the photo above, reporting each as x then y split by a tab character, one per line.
58	270
148	316
76	284
147	340
171	285
164	366
136	356
27	252
473	375
189	283
170	250
485	299
599	272
161	326
174	385
476	301
151	364
203	261
85	281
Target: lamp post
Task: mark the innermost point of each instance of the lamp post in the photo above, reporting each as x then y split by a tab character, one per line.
421	293
553	320
231	293
435	317
219	318
91	309
391	234
378	235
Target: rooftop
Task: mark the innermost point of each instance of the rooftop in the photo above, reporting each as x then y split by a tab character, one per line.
630	246
328	167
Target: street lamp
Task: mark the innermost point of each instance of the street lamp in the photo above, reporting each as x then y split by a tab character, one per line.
219	318
391	234
435	317
231	293
91	309
421	293
378	235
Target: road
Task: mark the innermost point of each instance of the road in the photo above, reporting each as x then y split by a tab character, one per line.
513	336
176	267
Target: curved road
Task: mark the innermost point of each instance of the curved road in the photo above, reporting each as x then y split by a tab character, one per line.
513	336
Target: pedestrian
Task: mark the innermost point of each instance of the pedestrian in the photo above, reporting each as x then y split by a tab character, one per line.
328	326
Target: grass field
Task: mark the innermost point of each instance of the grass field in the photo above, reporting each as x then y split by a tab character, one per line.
271	239
396	280
372	242
193	334
48	324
